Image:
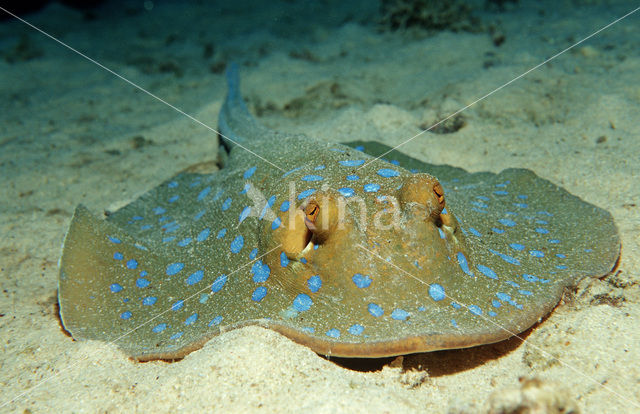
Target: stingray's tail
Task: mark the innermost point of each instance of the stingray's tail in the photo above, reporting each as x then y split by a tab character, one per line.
235	123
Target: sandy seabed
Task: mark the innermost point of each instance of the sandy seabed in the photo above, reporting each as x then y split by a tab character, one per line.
71	132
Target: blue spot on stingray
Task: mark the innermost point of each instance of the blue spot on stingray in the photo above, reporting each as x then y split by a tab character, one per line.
302	302
442	235
115	287
483	198
497	230
346	191
356	329
203	297
492	313
399	314
541	230
475	310
516	246
421	308
474	232
444	210
184	242
171	227
375	310
312	177
195	277
308	329
462	261
352	177
496	303
215	321
125	315
146	227
512	283
455	305
259	294
253	253
521	205
314	283
291	171
178	305
554	241
306	193
388	172
506	258
142	282
522	196
545	213
507	222
226	204
562	256
159	327
267	206
221	233
249	173
454	323
149	300
115	240
174	268
319	167
176	335
159	210
284	260
172	184
191	319
561	267
351	163
371	188
500	192
245	213
261	272
503	296
202	194
219	283
536	253
436	292
137	218
246	188
168	239
361	281
236	244
360	148
276	223
118	256
525	292
174	198
487	271
303	260
284	206
530	278
333	333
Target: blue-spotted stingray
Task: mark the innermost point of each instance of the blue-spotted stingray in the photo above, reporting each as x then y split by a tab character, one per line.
347	254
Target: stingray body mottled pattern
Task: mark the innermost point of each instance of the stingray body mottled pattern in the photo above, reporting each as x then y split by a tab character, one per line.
396	266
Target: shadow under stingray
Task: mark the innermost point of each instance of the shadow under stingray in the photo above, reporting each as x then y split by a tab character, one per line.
439	363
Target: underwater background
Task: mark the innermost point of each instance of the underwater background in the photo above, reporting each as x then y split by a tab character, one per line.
74	129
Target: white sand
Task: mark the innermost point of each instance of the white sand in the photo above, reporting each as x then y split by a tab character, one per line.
66	129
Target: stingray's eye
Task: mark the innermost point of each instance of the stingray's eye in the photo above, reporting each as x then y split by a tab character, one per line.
322	215
311	214
422	191
439	192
